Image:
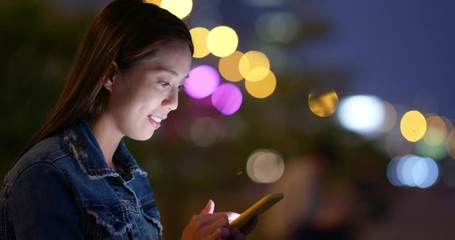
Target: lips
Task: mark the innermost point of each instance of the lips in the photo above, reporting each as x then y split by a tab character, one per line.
155	121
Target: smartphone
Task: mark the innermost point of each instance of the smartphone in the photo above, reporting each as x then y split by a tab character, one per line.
257	208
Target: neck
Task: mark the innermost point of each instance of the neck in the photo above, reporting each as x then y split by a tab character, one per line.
108	139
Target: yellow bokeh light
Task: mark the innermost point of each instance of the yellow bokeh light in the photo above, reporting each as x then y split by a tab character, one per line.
263	88
229	67
156	2
254	66
199	36
180	8
222	41
413	126
436	131
323	104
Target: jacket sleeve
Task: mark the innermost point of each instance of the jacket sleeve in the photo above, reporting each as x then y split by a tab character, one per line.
40	205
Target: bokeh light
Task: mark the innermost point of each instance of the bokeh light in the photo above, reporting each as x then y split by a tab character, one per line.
254	66
180	8
390	117
263	88
265	166
202	81
436	133
451	144
413	125
362	114
156	2
278	57
227	98
229	67
323	103
413	171
199	36
278	27
423	149
205	131
222	41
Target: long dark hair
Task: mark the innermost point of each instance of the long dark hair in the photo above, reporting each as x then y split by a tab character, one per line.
124	32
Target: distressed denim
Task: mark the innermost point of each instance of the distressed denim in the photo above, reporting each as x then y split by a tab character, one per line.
63	189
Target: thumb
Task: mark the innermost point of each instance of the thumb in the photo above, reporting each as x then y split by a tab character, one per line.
209	208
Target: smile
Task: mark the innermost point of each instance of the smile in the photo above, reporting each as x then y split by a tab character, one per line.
155	118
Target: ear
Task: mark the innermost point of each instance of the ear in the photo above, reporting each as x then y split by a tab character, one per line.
109	78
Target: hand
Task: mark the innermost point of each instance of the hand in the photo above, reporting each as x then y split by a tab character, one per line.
208	225
237	234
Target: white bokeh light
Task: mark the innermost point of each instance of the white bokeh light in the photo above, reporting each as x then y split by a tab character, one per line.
361	114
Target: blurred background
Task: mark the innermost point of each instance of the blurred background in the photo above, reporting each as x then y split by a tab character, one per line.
341	105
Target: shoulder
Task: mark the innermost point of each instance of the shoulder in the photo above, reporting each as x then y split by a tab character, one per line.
42	157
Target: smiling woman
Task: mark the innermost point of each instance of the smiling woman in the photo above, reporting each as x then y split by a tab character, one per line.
77	170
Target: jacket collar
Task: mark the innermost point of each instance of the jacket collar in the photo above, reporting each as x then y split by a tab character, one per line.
87	152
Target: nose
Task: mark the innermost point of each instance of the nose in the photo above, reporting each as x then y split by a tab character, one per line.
171	101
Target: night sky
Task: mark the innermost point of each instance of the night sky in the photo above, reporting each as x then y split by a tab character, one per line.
401	51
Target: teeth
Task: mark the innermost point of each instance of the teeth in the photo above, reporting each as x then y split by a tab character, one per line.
156	119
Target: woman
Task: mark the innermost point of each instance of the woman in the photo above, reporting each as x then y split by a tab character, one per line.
76	179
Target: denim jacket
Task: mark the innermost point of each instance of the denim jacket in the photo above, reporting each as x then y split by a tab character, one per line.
63	189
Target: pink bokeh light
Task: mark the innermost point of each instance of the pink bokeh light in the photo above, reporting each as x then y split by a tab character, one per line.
202	81
227	98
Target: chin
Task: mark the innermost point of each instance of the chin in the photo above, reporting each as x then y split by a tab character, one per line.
142	136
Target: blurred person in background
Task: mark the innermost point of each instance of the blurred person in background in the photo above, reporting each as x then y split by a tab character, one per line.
315	207
76	178
333	190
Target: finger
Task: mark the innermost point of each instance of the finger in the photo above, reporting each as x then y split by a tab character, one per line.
220	233
249	227
209	208
232	215
235	234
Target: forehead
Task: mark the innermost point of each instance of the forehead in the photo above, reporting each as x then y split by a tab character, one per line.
173	57
174	53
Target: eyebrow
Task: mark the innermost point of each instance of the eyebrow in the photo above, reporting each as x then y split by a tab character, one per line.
166	69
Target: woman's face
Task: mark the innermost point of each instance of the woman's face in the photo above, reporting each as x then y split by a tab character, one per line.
142	97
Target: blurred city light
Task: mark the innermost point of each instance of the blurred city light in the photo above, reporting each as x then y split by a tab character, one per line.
277	56
278	27
222	41
180	8
323	103
390	117
254	66
199	36
156	2
263	88
413	125
227	98
204	131
422	148
436	133
413	171
265	166
451	144
229	67
202	81
362	114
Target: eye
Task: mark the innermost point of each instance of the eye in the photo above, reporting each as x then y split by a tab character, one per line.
164	83
181	87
